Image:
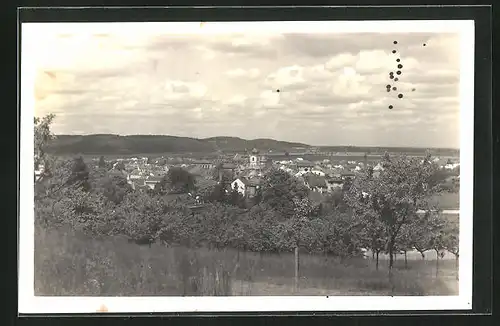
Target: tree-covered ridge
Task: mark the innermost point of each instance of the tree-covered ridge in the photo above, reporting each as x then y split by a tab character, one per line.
135	144
107	144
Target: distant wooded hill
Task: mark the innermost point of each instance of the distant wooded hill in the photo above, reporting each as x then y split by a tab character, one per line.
135	144
107	144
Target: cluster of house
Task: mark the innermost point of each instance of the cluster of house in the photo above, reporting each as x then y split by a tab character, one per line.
319	177
245	171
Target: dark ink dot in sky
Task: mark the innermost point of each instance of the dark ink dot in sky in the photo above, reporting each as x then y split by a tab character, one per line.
400	66
413	89
388	90
396	79
425	44
390	107
277	91
397	60
393	51
391	73
398	72
387	86
395	42
391	76
400	95
394	89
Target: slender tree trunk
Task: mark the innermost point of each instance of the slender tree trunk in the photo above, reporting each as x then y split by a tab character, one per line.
391	256
377	261
391	265
297	262
437	262
456	265
406	260
373	254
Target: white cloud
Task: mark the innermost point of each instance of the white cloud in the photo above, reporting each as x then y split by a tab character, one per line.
287	78
203	86
252	73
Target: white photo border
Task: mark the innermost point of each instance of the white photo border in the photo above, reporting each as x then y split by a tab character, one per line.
28	303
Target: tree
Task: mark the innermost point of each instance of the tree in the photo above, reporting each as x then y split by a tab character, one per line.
337	233
334	201
120	166
79	174
214	172
302	211
42	137
347	184
57	177
142	217
395	196
235	198
451	240
102	162
112	187
422	229
404	241
205	190
438	241
87	212
280	190
176	181
372	234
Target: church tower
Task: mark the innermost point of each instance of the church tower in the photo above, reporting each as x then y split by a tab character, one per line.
254	158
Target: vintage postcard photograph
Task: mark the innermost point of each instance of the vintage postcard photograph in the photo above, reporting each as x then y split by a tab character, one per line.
246	166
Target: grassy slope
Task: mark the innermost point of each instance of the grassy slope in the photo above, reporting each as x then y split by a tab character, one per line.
70	264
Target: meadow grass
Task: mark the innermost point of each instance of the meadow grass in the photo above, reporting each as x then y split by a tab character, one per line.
446	200
68	263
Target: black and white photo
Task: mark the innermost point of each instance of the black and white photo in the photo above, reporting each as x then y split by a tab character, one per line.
246	166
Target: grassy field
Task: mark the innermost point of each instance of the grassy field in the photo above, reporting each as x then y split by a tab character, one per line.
447	200
71	264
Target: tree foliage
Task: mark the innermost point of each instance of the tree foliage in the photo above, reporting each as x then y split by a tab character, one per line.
102	162
176	181
42	137
79	174
395	196
280	190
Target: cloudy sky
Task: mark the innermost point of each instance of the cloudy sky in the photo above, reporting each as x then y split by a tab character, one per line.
332	87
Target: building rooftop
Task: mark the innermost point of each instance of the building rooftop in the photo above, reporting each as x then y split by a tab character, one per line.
201	162
250	181
334	180
154	179
304	163
314	180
